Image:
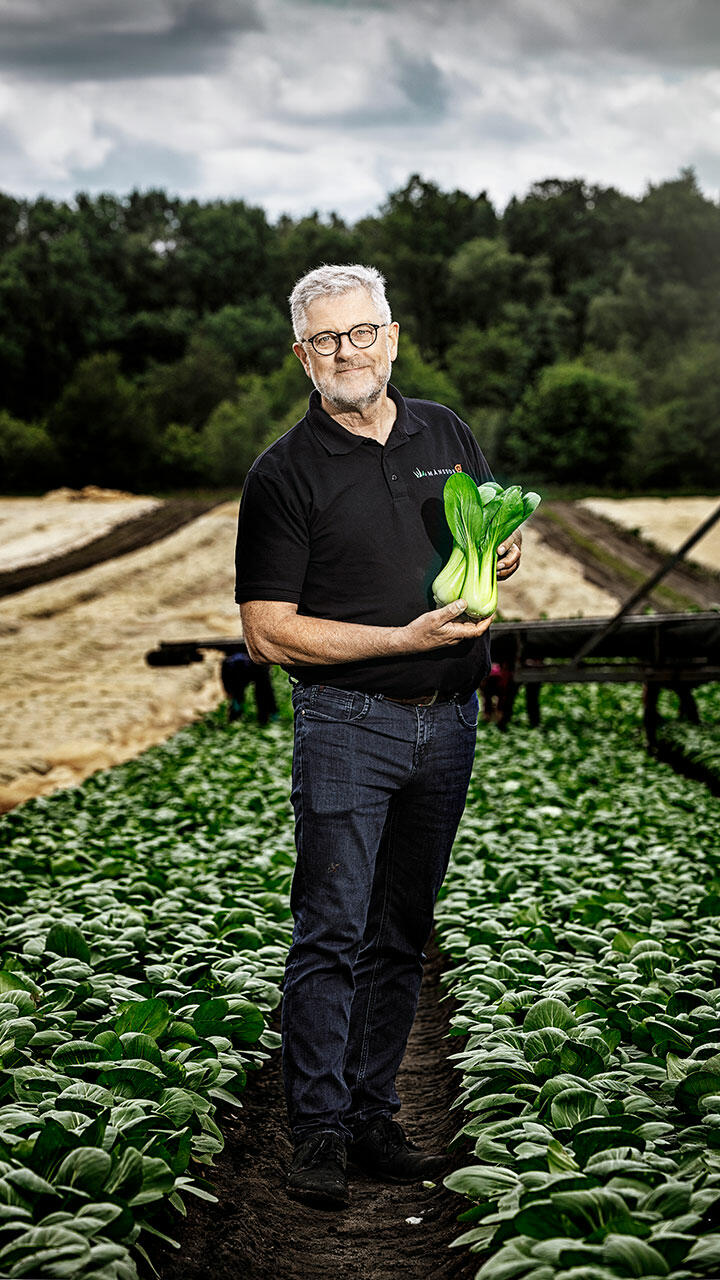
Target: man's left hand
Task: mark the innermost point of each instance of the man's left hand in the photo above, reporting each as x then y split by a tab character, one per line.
508	559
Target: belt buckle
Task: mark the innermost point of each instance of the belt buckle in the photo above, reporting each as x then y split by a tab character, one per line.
434	698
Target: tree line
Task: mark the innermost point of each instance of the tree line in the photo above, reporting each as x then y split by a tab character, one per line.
145	341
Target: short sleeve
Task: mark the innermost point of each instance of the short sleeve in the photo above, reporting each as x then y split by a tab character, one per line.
480	464
271	552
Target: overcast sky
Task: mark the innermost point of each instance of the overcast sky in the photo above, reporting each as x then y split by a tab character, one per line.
298	105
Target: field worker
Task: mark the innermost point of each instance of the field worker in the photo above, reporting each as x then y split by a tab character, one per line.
341	533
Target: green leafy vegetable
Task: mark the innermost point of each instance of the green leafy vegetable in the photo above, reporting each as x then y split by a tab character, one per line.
480	520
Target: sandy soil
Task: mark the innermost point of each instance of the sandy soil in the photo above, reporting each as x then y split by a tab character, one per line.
550	585
31	529
75	692
665	521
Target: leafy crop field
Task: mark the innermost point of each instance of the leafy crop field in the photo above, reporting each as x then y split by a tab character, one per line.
144	924
144	921
697	745
583	919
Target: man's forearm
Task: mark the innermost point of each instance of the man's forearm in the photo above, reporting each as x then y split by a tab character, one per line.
276	632
300	640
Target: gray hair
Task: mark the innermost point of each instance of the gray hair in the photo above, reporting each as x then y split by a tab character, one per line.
330	280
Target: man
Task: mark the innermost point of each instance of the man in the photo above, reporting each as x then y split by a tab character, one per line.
341	533
237	672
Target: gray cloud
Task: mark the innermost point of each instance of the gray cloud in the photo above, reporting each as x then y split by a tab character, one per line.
160	166
92	40
422	82
330	104
664	31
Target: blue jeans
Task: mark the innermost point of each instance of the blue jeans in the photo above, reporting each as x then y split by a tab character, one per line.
378	792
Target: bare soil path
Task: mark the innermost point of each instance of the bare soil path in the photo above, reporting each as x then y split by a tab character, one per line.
257	1233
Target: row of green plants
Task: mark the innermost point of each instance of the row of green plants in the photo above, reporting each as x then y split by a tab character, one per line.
143	925
696	745
582	920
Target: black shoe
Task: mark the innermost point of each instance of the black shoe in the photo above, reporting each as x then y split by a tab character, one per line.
317	1172
383	1150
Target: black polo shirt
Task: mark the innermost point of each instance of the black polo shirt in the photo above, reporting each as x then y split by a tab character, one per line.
355	531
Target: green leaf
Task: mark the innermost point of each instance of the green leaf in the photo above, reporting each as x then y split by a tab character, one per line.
178	1105
84	1097
246	1021
461	500
150	1017
15	982
157	1180
133	1078
66	940
633	1257
64	1252
209	1018
482	1182
77	1053
690	1091
87	1168
573	1105
126	1177
594	1214
580	1058
549	1013
705	1253
544	1044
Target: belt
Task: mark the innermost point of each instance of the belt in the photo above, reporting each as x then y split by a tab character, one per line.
425	700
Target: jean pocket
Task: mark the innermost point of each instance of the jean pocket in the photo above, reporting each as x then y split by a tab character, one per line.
323	702
468	712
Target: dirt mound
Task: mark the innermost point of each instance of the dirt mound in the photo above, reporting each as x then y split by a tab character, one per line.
138	531
618	561
76	693
88	493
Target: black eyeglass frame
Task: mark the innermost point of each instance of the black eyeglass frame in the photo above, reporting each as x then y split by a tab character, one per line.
347	333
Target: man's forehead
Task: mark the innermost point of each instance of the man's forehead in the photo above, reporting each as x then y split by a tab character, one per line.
339	310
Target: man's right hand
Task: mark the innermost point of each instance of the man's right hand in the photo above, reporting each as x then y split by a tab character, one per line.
439	627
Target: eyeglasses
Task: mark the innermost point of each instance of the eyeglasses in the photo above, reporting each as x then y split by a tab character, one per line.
328	342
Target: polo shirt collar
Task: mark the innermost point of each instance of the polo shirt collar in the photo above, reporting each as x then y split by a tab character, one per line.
337	439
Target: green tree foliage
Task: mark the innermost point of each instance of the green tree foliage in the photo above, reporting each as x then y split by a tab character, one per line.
488	365
680	437
28	457
189	389
235	432
102	428
422	379
418	231
255	335
148	314
484	277
297	247
574	424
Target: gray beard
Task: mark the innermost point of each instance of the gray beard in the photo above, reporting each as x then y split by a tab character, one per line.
358	403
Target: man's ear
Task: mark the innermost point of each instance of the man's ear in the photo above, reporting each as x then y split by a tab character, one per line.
302	356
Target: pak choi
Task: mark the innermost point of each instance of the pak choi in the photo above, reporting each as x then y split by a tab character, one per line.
480	520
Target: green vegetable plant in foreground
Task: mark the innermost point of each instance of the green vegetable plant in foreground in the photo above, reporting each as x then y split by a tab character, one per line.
143	925
480	520
582	917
